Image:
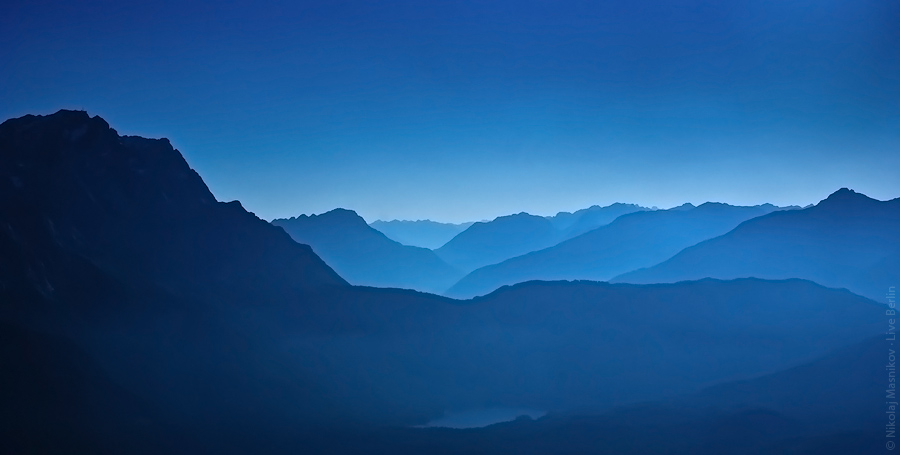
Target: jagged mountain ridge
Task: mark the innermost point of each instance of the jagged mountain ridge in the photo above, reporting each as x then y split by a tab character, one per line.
631	241
365	256
848	240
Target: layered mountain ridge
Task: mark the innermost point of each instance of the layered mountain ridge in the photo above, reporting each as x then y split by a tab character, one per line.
365	256
847	240
155	319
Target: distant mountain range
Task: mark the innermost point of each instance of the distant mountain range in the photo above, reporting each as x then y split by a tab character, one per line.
140	315
422	233
364	256
846	241
433	235
491	242
634	240
574	224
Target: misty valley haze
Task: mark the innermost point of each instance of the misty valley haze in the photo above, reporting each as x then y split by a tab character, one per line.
141	315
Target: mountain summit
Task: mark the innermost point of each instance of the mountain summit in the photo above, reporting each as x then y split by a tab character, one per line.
133	206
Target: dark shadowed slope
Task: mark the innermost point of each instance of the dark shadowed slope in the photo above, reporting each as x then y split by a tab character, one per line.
364	256
841	391
631	241
132	206
558	345
833	405
584	220
847	241
422	233
494	241
55	399
116	244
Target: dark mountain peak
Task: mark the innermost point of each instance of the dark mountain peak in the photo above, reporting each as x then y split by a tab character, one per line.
712	205
721	207
518	216
344	215
843	192
521	220
62	115
336	217
71	145
70	125
134	206
845	196
72	114
685	206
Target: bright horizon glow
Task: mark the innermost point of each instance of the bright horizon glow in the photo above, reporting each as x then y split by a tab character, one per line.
466	111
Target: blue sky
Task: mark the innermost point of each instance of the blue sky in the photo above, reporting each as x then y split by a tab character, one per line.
468	110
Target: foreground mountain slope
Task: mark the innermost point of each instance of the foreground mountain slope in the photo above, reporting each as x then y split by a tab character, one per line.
847	240
134	207
631	241
422	233
831	405
364	256
494	241
57	400
842	389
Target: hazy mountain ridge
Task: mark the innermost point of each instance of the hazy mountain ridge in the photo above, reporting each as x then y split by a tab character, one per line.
847	240
631	241
504	237
422	233
584	220
365	256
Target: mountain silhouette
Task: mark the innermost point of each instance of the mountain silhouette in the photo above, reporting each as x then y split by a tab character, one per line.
132	302
114	253
364	256
494	241
633	240
422	233
133	206
584	220
846	241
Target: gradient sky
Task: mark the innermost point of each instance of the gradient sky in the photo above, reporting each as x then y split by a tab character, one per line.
467	110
